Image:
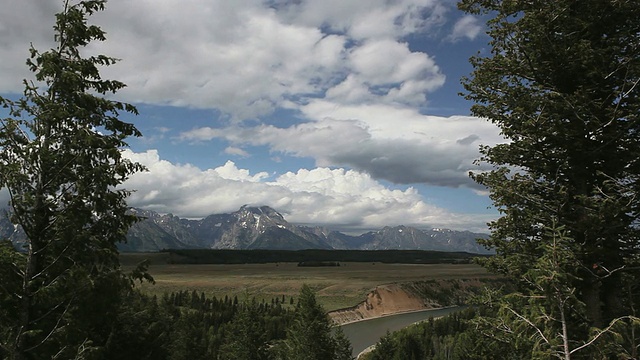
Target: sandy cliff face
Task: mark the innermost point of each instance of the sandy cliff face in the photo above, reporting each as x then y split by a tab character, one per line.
419	295
383	300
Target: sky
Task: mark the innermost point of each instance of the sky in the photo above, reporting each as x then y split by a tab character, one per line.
337	113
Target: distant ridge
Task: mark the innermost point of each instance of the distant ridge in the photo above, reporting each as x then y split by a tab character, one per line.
264	228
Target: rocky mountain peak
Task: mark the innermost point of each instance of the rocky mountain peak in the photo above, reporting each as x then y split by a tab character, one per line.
261	211
262	227
258	219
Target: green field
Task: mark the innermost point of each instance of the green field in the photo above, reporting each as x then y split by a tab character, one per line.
337	287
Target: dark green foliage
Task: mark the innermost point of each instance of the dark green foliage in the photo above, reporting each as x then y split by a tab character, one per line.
201	256
11	263
561	83
189	325
458	336
449	292
310	336
60	159
385	348
318	263
342	346
245	340
142	329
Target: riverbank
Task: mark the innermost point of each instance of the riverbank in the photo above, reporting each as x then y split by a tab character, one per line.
398	298
365	333
443	311
400	313
365	352
384	300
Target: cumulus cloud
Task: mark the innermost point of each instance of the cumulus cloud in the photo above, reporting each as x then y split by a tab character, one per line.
343	67
232	150
27	23
342	199
387	142
387	71
466	27
365	19
188	191
246	58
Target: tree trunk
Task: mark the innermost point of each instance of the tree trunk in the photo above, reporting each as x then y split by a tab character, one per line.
591	298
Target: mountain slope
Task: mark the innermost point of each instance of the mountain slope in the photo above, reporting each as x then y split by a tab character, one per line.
264	228
408	238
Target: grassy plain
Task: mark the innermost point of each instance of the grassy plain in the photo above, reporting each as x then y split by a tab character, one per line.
336	287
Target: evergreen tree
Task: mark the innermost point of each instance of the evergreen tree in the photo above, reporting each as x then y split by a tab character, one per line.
310	336
60	159
562	85
246	336
385	348
343	349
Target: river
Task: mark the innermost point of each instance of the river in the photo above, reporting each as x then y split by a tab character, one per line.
365	333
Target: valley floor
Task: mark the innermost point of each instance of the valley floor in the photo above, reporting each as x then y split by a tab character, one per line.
336	288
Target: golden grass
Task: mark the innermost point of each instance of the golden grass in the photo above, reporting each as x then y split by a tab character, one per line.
336	287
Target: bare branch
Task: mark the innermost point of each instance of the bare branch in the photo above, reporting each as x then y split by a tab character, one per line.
604	331
540	333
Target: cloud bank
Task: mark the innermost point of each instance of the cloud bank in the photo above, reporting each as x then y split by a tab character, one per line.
247	58
358	87
396	144
341	199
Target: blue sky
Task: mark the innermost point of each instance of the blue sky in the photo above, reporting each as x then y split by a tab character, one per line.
337	113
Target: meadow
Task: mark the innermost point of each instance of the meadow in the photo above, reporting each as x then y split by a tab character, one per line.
336	287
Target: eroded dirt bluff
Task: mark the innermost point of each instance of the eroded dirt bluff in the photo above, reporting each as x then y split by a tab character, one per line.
413	296
383	300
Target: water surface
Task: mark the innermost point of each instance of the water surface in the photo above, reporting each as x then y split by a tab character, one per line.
365	333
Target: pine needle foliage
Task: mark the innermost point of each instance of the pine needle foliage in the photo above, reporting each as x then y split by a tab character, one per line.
561	83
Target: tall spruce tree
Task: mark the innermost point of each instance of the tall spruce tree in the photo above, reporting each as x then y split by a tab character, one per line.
310	336
246	336
562	84
60	159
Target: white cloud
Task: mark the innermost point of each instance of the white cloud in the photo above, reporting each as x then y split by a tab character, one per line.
365	19
245	58
245	66
341	199
229	171
343	66
233	150
388	142
467	26
387	71
26	23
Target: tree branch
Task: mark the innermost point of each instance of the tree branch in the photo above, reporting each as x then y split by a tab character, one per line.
604	331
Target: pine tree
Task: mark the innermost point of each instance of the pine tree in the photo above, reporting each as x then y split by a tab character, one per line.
342	346
246	336
562	85
310	336
60	159
385	348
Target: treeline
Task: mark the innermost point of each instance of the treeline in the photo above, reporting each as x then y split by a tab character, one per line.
470	335
318	263
208	256
454	337
189	325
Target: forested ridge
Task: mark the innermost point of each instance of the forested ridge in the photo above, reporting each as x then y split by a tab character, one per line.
211	256
561	82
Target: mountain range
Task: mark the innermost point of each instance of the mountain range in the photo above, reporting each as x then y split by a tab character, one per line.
265	228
